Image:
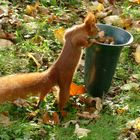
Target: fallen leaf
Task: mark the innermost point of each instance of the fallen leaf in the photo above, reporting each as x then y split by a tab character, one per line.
4	120
46	118
55	118
32	8
59	34
101	15
87	115
113	20
129	86
32	114
30	55
37	39
5	43
67	124
21	103
135	1
127	22
137	124
5	35
100	7
1	12
122	110
133	136
97	6
76	89
81	132
43	10
52	18
136	76
98	104
28	18
51	119
134	124
137	54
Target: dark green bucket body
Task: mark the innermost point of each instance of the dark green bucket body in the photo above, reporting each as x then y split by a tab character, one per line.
101	60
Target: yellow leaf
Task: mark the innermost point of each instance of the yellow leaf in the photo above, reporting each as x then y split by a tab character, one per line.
137	54
135	1
31	9
122	110
59	34
100	7
137	123
96	6
138	126
30	55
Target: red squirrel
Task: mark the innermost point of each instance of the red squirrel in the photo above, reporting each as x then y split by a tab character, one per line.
60	73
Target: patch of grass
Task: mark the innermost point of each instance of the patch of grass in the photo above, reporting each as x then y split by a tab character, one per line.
106	128
134	12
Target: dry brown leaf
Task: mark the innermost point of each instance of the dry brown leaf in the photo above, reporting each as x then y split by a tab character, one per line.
137	54
4	120
129	86
67	124
59	34
1	12
21	102
81	132
52	18
5	35
114	20
51	119
101	15
98	104
127	22
43	10
5	43
32	114
28	18
133	136
46	118
56	118
135	1
87	115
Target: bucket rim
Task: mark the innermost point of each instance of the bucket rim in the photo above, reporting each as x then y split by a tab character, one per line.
118	28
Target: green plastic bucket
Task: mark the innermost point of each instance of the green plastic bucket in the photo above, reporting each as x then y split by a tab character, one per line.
101	60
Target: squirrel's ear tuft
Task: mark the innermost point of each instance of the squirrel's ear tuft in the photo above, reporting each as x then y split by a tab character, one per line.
89	19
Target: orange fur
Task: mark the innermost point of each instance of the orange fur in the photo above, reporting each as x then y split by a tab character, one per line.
60	73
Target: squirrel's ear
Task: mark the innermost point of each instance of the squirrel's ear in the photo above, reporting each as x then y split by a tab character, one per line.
89	19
